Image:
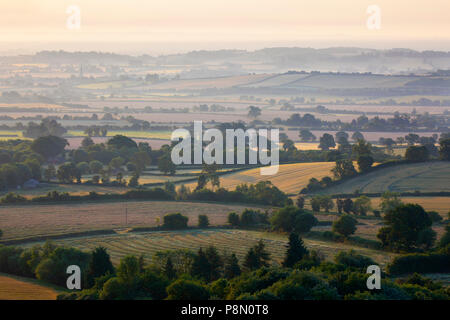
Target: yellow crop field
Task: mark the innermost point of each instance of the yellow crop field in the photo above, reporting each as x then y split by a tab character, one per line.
13	288
291	178
438	204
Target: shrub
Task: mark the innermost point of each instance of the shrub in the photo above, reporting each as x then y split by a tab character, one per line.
416	154
113	289
352	259
151	284
175	221
187	290
53	269
436	262
12	198
252	218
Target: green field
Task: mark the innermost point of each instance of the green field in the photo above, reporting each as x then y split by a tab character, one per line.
423	177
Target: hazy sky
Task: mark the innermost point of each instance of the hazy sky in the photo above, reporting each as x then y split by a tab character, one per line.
187	24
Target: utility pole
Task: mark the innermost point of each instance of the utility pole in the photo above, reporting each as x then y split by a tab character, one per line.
126	214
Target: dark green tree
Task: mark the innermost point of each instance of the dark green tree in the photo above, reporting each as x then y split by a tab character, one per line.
295	252
327	142
119	141
49	146
343	169
99	265
231	268
300	202
233	219
444	149
201	267
203	221
345	225
169	270
408	226
175	221
416	153
257	257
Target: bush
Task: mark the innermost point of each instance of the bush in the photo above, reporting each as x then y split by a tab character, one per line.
113	289
12	198
436	262
175	221
352	259
152	285
53	269
416	154
187	290
252	218
345	225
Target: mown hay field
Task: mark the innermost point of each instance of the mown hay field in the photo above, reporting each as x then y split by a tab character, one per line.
291	178
24	221
423	177
16	288
438	204
226	241
74	189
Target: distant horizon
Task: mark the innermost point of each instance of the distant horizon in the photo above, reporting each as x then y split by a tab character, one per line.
146	48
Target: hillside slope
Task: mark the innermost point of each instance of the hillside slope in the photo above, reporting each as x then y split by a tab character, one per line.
423	177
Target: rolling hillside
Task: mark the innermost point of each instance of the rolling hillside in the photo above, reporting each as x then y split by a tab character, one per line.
423	177
291	178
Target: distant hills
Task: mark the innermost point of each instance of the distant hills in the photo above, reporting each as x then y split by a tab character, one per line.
282	59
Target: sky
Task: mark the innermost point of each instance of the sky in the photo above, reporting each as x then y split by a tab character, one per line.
182	25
